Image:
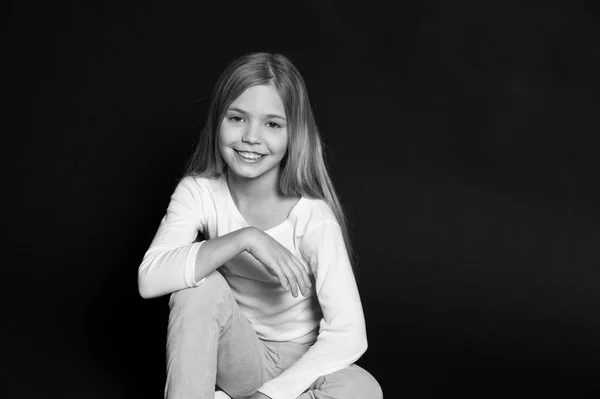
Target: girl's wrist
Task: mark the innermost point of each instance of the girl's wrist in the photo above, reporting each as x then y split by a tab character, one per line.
247	237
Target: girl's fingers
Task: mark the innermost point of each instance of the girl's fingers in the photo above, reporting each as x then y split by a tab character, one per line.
274	267
283	280
304	271
299	278
293	275
284	283
291	278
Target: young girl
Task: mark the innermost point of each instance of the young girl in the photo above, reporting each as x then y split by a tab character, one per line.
254	252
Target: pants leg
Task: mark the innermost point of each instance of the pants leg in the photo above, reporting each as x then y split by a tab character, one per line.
352	382
209	343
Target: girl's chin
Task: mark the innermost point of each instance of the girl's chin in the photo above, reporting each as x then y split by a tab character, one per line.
251	171
244	175
247	171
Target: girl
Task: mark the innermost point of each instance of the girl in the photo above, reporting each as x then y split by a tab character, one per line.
264	303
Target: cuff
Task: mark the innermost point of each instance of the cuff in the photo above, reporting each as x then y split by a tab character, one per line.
190	265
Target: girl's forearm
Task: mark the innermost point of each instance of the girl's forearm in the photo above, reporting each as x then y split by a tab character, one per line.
214	253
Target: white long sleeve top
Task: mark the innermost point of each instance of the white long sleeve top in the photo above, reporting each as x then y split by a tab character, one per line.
311	233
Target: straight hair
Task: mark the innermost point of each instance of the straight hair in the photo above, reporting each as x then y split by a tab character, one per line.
304	170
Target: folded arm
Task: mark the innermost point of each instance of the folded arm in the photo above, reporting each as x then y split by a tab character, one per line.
174	261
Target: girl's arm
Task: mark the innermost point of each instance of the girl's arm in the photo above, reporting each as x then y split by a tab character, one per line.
342	335
174	261
216	252
169	263
276	258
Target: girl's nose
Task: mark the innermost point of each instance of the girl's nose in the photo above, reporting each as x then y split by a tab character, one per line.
252	134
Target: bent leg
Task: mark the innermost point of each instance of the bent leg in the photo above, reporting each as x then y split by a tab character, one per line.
210	343
352	382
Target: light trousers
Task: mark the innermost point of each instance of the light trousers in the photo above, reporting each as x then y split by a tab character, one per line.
210	343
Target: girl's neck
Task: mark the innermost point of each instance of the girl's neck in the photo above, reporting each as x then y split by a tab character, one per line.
261	190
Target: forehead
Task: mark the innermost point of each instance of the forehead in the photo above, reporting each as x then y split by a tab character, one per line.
262	99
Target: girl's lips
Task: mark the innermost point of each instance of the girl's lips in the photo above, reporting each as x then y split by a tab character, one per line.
249	152
249	156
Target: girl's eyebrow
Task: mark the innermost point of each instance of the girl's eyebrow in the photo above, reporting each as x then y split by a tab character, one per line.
241	111
269	116
275	116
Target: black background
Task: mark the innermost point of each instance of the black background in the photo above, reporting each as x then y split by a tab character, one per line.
462	138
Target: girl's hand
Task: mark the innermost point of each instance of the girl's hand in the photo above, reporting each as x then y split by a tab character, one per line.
278	261
259	395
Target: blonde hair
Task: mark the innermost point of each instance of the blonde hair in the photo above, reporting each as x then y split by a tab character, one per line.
304	171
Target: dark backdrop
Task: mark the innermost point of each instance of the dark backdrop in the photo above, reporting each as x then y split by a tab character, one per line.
461	137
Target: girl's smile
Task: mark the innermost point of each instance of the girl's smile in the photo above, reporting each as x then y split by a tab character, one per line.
250	156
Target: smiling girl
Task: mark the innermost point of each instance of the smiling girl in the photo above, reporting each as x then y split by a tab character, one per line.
254	252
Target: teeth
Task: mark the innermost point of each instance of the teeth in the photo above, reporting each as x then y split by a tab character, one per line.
249	155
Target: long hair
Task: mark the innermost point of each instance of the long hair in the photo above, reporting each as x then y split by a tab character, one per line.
304	171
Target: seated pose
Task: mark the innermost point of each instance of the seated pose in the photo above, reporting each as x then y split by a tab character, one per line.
254	251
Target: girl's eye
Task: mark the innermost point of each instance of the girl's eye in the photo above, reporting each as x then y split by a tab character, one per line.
236	119
273	125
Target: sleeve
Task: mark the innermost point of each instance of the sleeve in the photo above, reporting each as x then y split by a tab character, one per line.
342	335
169	263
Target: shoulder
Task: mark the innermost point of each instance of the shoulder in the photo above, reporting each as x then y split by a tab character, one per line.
199	184
318	231
313	214
318	210
197	188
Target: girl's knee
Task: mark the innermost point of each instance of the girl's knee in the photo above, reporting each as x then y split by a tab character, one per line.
354	382
213	290
366	383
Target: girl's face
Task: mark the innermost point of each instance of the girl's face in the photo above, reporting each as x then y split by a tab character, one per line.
253	136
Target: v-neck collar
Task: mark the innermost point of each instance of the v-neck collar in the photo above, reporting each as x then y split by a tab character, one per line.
240	218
